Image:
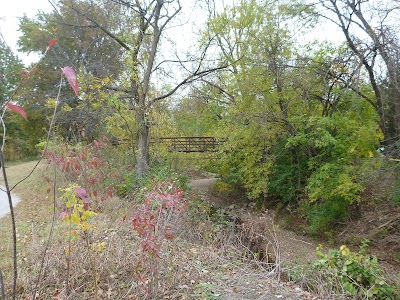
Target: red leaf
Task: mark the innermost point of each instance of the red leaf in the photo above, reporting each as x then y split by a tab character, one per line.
62	215
51	43
17	109
169	236
71	76
82	194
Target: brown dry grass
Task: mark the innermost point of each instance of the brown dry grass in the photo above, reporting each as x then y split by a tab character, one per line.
204	261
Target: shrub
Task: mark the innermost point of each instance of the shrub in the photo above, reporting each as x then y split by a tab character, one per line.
153	222
357	272
324	216
84	165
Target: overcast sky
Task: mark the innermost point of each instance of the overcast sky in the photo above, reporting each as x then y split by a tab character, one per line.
15	9
9	14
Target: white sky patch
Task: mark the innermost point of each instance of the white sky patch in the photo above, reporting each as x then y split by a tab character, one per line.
10	13
193	15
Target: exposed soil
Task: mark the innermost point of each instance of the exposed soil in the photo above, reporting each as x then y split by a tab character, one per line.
294	247
196	266
378	223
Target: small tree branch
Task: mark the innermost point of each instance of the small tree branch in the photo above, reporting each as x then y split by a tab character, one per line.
14	228
102	28
2	291
195	76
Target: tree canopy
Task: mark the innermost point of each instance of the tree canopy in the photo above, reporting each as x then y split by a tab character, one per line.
301	121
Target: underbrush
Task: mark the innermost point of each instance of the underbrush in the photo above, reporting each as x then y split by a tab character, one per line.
128	182
156	242
346	274
151	244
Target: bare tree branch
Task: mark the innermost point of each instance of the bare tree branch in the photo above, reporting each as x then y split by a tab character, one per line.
195	76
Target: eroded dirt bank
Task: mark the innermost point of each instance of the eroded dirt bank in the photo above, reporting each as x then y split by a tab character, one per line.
295	248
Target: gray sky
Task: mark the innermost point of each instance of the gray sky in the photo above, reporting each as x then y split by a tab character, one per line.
15	9
9	15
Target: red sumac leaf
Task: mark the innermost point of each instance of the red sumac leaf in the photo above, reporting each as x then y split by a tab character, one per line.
17	109
82	194
71	77
51	43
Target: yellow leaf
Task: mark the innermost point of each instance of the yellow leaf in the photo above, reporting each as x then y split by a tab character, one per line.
344	250
75	218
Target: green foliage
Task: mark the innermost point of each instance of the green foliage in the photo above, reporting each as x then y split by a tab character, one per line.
84	47
196	115
325	215
19	131
289	173
76	214
83	120
358	273
335	152
395	192
11	71
259	93
159	172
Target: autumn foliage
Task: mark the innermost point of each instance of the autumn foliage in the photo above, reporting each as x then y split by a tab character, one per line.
85	166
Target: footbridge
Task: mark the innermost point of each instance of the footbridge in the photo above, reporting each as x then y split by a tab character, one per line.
190	144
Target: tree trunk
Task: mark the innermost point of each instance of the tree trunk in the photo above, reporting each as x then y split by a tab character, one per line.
390	65
142	158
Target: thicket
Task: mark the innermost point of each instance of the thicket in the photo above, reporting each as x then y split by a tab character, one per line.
357	273
301	127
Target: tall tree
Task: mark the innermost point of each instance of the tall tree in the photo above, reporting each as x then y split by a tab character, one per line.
146	25
256	38
81	46
370	35
11	73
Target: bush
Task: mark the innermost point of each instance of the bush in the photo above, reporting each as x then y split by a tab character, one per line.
324	216
289	173
357	273
159	172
